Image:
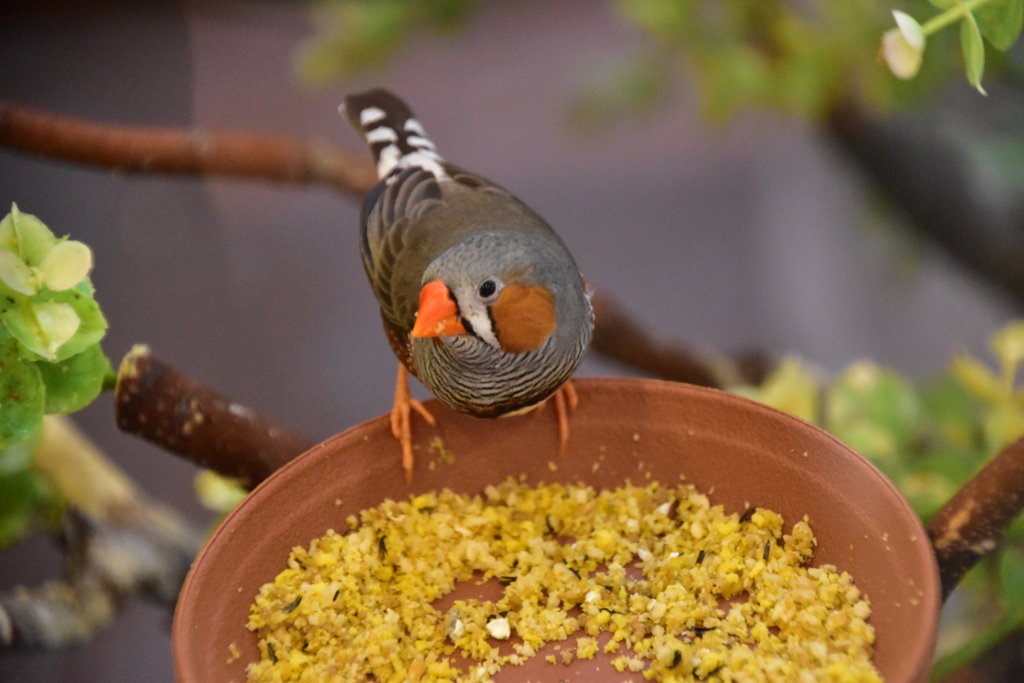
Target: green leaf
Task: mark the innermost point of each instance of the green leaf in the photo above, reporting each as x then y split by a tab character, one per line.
18	457
978	379
790	388
57	323
16	275
23	323
354	36
927	492
37	336
869	400
666	19
1011	582
22	396
217	492
977	645
1001	21
954	412
72	384
1008	345
974	51
32	239
67	264
93	325
8	239
943	4
1002	425
18	495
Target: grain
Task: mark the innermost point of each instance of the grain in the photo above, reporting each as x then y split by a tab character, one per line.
655	576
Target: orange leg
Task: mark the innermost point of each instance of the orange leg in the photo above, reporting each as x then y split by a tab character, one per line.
401	424
566	401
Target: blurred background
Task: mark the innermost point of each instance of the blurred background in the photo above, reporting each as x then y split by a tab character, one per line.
759	230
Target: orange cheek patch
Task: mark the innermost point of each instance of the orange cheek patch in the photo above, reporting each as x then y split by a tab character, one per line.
524	316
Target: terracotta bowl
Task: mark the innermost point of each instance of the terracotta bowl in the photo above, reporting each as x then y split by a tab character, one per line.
741	452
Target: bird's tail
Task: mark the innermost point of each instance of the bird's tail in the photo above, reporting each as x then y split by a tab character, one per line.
395	138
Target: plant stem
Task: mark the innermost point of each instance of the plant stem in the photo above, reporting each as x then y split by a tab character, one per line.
973	648
941	21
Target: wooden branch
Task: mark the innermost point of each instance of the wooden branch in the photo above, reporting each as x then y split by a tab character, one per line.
252	155
971	524
933	180
117	543
179	151
55	614
174	411
621	339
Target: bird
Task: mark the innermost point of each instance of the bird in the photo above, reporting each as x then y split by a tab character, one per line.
481	300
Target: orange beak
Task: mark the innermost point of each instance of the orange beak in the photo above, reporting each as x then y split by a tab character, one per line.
438	315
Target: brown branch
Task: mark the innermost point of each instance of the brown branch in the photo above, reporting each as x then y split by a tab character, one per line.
179	151
971	524
283	159
933	178
172	410
55	614
621	339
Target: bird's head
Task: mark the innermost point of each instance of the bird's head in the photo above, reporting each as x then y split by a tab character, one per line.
493	287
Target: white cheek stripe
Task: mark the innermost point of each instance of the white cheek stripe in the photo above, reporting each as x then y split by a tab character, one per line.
370	115
481	323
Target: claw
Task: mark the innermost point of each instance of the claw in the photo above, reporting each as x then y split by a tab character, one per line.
566	401
401	424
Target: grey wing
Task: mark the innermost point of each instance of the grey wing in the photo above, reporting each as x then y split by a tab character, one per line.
389	214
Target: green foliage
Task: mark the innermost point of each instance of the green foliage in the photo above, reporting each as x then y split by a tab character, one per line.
623	86
801	58
804	58
999	21
19	495
22	395
973	49
929	438
24	498
50	357
351	35
72	384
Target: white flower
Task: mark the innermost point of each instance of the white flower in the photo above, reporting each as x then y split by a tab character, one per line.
903	47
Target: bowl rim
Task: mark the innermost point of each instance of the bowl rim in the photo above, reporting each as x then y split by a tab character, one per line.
931	598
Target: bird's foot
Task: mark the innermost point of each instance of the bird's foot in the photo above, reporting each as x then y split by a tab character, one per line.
565	402
401	418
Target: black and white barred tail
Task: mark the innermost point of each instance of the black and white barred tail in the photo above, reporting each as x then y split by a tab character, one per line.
395	138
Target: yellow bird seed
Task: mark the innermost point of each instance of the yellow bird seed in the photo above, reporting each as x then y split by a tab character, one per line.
669	584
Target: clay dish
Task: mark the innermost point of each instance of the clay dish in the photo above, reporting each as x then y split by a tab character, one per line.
740	452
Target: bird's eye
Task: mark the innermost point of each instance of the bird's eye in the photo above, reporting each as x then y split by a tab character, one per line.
487	288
